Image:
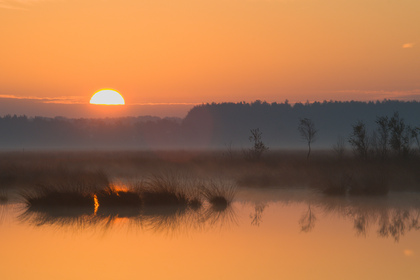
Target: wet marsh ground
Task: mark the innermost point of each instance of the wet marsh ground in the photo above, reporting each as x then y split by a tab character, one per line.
162	185
68	215
324	171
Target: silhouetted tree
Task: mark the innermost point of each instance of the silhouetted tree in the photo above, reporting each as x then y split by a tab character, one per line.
360	140
259	147
308	132
383	136
415	134
400	135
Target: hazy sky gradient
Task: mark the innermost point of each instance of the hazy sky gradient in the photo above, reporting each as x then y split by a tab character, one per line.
196	51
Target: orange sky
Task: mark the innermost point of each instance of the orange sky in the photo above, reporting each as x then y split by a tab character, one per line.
198	51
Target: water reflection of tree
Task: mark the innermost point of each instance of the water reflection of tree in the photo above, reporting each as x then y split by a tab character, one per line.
307	221
396	223
360	225
256	217
391	221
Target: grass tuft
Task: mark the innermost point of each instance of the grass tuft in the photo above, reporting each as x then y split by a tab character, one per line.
169	190
219	194
111	197
56	197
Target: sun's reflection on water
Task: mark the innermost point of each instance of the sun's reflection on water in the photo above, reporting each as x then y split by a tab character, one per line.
96	204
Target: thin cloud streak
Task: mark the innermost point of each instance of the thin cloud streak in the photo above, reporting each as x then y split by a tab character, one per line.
373	95
408	45
55	100
80	100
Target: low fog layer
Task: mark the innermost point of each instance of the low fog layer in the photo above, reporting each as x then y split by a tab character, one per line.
212	126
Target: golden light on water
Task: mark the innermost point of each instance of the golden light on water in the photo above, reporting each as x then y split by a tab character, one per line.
119	188
107	97
96	204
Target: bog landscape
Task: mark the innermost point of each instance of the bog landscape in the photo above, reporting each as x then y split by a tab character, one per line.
365	183
209	139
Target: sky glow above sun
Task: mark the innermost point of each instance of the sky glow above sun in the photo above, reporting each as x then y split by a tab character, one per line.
107	97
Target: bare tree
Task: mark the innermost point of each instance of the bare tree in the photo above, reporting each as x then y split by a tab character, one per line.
259	147
400	135
383	138
307	132
360	140
415	134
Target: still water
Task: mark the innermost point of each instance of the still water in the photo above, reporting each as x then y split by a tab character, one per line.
265	234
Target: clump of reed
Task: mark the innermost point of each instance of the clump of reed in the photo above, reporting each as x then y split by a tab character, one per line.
3	198
364	179
219	194
112	197
371	181
112	201
161	200
49	196
165	202
75	189
169	190
337	183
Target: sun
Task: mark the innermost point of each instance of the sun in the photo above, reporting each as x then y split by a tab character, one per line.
107	97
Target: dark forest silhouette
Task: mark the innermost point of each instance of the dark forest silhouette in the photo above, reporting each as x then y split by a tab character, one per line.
214	125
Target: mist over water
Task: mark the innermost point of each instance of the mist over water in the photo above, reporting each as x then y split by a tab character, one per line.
207	126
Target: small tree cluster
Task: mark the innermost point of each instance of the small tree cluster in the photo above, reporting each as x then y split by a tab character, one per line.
391	136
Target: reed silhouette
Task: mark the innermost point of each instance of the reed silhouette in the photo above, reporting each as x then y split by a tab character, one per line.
186	180
3	196
219	194
168	189
162	202
166	219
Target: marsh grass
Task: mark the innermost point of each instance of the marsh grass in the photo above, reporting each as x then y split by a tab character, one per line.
112	197
57	197
219	215
173	200
3	196
165	202
333	183
371	181
360	178
181	181
219	194
170	189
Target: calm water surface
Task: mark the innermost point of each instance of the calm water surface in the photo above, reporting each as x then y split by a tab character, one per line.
270	234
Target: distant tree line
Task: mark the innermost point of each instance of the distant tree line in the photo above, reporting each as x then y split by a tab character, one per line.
217	125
